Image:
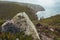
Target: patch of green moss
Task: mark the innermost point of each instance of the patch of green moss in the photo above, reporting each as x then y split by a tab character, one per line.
1	22
57	38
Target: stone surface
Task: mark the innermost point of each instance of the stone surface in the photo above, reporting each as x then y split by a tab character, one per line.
10	27
21	22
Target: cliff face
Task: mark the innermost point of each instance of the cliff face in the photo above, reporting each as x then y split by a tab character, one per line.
21	22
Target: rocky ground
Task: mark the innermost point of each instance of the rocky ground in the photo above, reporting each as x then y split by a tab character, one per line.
21	22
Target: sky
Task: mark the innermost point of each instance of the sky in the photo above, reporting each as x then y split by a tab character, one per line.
52	7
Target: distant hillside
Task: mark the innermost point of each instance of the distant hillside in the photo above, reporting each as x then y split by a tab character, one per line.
9	9
53	21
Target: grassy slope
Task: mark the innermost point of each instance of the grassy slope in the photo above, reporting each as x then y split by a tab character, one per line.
53	22
8	10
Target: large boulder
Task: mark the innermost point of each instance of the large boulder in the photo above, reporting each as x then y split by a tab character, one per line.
21	22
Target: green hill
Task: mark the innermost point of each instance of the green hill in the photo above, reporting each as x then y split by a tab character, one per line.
9	9
51	26
53	21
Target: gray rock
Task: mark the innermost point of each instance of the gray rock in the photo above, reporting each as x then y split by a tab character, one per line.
10	27
44	37
21	22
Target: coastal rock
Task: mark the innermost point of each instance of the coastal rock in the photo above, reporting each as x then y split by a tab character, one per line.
21	22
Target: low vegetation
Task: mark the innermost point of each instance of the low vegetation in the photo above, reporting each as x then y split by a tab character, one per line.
1	21
51	23
11	36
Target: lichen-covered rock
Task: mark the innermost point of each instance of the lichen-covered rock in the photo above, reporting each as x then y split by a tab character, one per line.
10	27
21	22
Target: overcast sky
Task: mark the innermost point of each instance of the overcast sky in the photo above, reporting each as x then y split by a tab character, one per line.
52	7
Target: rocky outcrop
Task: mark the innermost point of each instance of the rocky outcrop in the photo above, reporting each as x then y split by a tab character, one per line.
21	22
